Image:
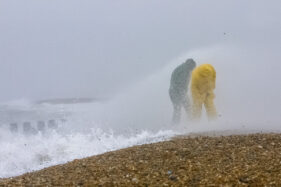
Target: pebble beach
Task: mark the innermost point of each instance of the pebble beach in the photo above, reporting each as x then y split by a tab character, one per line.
201	160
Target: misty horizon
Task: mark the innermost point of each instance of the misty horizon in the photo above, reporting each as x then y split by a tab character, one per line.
69	49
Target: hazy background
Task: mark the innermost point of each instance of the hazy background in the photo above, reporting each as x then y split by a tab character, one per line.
89	48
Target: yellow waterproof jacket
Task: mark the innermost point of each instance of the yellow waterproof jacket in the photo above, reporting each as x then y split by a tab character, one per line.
203	79
203	82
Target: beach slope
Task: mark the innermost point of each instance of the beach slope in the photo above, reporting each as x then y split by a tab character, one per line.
243	160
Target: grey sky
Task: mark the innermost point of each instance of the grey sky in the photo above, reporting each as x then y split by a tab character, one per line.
67	48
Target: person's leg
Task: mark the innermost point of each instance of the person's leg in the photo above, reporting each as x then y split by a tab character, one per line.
196	105
176	114
176	101
187	106
210	106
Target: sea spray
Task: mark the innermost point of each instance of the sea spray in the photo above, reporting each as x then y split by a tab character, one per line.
247	98
23	154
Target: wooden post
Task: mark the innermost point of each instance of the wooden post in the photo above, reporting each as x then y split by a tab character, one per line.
14	127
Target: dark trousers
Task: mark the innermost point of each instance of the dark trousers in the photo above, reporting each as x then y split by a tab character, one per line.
180	100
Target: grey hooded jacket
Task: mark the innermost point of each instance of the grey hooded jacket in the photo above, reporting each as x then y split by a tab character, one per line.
180	80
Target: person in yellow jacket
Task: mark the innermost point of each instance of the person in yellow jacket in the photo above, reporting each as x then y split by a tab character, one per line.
203	83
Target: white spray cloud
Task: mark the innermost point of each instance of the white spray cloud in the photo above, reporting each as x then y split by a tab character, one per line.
248	92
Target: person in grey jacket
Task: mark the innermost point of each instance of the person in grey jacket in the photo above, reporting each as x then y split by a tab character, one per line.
178	88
